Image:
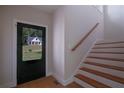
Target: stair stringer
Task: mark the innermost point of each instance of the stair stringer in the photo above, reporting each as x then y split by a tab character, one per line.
72	78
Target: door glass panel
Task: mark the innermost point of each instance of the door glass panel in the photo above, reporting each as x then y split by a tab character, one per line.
31	44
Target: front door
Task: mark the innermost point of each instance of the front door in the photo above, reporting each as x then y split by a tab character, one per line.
30	52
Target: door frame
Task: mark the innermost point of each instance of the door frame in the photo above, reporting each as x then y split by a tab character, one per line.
14	48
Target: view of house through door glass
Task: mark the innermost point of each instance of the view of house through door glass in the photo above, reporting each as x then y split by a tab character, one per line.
30	52
32	44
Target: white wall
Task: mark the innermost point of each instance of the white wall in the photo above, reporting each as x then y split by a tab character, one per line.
1	50
8	39
58	45
78	21
114	23
71	23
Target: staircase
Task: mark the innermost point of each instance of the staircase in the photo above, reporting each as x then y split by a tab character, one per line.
103	67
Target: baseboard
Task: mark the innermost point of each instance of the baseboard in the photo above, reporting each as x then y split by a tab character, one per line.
61	81
8	85
68	81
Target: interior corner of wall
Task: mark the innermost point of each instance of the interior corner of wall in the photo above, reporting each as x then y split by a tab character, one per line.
62	81
68	81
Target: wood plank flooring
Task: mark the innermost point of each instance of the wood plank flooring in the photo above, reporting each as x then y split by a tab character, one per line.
47	82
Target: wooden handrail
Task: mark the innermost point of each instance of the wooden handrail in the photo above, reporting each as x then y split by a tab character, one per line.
80	42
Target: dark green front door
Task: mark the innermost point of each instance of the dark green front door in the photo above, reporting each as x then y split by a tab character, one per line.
30	52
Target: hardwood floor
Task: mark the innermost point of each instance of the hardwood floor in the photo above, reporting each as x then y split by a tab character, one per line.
73	85
47	82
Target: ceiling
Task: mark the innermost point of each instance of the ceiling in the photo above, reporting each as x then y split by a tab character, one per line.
47	8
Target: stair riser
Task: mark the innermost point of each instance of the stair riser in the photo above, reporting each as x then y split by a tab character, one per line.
108	50
82	83
110	42
100	61
117	56
105	70
101	79
110	45
103	67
